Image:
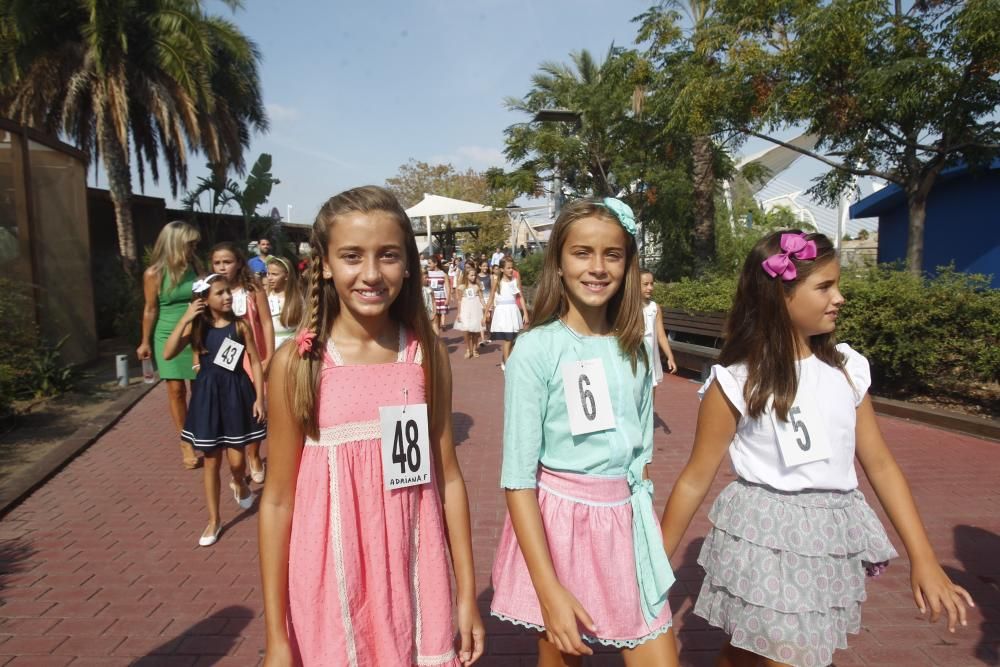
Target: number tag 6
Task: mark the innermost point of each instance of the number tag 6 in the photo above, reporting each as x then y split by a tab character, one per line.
228	354
406	459
588	401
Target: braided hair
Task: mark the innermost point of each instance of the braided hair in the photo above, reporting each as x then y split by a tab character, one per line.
322	305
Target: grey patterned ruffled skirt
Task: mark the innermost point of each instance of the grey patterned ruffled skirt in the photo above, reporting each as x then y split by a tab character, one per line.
785	572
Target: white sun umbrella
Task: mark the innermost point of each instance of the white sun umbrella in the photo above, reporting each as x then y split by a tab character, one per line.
435	205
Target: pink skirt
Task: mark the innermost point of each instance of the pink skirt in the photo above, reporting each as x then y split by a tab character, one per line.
588	526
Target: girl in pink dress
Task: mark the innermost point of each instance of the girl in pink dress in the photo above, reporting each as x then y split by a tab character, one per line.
354	552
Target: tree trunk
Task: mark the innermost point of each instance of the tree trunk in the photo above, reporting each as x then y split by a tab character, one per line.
916	204
703	234
120	185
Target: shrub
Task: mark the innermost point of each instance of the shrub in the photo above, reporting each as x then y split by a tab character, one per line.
530	268
29	366
713	295
923	334
17	345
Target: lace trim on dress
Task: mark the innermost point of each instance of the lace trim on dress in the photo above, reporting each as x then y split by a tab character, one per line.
338	360
333	436
617	643
432	660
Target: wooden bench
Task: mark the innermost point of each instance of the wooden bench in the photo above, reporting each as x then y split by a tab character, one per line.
695	338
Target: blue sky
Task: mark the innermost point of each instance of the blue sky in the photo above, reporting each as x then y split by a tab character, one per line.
355	89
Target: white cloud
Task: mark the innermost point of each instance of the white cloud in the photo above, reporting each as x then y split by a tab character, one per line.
278	112
476	157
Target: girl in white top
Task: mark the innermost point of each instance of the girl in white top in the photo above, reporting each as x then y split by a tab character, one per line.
793	537
655	336
470	310
509	315
284	297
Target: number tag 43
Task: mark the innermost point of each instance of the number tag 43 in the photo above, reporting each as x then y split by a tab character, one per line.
406	459
803	438
229	354
588	401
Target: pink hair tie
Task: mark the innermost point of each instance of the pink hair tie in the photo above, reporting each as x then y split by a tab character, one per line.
304	341
793	246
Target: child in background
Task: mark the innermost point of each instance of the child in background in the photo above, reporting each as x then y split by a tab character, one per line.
486	286
470	312
655	336
580	548
428	295
442	292
793	537
250	304
355	569
508	312
226	411
284	298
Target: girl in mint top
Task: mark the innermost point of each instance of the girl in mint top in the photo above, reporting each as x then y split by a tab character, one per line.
581	557
537	428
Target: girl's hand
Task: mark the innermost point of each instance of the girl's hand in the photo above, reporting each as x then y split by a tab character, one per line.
143	351
470	629
671	365
258	410
194	309
561	612
278	655
932	588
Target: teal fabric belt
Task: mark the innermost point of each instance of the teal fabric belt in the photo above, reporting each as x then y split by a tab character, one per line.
653	571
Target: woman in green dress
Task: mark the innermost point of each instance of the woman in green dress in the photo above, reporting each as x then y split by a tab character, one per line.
167	290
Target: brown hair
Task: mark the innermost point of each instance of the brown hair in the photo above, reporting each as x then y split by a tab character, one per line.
206	320
463	281
759	331
244	278
322	304
625	306
291	312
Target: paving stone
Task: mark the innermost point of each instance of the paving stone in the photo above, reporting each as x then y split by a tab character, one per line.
102	561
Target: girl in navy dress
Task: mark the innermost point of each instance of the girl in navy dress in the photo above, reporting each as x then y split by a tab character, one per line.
226	411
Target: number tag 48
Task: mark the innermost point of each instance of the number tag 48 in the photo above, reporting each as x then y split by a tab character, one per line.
406	459
229	354
588	401
803	438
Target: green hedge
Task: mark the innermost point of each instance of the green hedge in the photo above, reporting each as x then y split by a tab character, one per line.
921	335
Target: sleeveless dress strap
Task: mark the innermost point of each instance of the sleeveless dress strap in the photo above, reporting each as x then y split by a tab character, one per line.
414	354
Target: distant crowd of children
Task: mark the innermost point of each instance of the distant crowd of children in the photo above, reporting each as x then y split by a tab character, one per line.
364	522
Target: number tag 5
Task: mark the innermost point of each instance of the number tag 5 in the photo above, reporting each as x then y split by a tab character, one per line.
406	459
803	438
588	401
228	354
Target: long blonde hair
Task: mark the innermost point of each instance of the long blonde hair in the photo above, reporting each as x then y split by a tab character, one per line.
624	312
170	254
291	311
322	304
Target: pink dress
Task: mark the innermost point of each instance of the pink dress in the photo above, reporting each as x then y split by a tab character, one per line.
368	571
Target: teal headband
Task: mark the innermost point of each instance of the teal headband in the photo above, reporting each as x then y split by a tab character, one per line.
622	211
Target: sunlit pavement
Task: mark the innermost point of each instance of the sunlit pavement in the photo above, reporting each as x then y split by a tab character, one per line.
100	565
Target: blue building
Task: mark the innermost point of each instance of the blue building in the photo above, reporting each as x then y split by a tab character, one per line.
962	226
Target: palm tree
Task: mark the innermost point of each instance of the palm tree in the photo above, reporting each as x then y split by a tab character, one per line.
682	49
583	153
124	78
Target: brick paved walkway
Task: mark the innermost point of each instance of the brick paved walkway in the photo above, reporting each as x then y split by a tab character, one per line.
100	567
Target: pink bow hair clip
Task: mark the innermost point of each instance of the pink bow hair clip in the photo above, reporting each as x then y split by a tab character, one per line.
793	246
304	342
